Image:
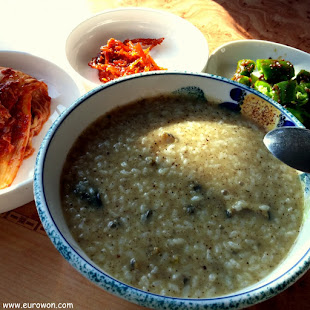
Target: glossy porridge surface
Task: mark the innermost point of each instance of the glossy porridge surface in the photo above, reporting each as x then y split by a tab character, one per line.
180	197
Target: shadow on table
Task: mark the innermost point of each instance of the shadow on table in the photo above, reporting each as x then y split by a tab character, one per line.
285	22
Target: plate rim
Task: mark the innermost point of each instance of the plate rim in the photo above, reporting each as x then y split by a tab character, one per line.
8	197
175	17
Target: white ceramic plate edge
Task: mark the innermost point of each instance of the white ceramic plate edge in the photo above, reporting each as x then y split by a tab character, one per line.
223	60
90	76
64	90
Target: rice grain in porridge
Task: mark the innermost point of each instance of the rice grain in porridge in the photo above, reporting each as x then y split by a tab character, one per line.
180	197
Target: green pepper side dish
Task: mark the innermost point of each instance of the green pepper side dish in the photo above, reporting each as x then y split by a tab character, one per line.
275	70
242	79
302	93
245	67
302	115
263	87
284	92
303	76
276	79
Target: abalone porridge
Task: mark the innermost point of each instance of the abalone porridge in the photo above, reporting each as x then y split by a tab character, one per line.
180	197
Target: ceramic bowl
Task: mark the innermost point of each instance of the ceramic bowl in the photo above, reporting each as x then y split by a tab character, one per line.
63	90
181	39
223	61
84	111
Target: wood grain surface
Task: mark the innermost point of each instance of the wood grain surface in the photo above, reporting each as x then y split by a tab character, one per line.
32	270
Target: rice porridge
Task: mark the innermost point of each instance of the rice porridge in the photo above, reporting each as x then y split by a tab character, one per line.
180	197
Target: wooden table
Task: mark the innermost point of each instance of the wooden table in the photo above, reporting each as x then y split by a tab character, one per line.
31	268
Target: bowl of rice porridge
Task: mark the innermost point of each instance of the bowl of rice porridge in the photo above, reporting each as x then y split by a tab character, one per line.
158	188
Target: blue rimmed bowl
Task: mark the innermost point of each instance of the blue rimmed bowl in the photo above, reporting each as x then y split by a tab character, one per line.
86	109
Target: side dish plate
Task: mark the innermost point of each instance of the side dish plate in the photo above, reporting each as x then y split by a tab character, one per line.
223	61
63	90
184	47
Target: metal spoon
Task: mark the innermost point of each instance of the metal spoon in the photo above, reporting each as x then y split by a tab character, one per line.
291	145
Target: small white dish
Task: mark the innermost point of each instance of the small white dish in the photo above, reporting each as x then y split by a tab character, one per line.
184	48
63	90
223	61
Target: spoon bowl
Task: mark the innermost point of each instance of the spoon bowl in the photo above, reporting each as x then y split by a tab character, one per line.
291	145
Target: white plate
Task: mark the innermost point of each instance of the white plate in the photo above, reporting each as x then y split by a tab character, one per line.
63	90
185	48
223	61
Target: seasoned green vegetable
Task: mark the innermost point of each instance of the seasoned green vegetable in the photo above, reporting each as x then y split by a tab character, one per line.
243	79
254	78
284	92
302	93
245	67
301	114
264	87
275	70
303	76
275	78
